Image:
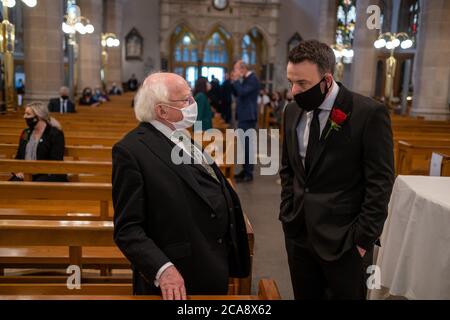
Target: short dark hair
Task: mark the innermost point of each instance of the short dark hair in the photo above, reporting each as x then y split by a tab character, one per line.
200	86
316	52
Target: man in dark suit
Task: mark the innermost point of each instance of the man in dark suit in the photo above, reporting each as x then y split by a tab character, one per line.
226	99
180	225
337	176
63	103
133	83
246	88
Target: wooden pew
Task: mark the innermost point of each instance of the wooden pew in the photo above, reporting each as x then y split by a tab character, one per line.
48	233
267	290
414	159
8	151
23	192
27	191
445	168
78	171
9	138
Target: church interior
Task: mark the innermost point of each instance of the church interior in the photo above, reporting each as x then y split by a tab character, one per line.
86	60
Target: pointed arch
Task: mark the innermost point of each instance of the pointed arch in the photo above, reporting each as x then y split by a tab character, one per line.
253	49
184	53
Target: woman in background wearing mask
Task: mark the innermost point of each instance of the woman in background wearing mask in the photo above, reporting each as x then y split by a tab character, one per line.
205	115
87	99
42	140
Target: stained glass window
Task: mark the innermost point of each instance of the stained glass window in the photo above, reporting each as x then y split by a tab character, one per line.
248	50
185	48
216	50
414	11
346	19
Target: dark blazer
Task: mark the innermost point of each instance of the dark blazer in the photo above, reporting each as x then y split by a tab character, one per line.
247	98
54	105
226	92
343	200
50	147
160	215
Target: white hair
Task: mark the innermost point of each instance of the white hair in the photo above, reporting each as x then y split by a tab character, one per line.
152	92
64	90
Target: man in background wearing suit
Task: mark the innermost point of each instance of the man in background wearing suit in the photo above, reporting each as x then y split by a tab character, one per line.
63	103
246	88
337	176
226	98
180	225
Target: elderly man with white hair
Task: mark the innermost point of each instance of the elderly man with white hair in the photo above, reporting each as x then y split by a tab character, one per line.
180	225
63	103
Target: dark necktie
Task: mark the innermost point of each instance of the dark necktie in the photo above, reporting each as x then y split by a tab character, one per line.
313	141
197	155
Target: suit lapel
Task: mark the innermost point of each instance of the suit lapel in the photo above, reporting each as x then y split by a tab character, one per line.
344	102
297	158
159	145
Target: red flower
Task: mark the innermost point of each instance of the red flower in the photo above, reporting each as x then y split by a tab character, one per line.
338	116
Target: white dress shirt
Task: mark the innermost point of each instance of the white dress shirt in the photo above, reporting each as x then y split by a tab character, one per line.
304	124
63	105
186	146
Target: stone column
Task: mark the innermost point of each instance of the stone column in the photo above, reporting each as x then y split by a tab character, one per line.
432	61
43	50
327	22
90	49
113	23
363	69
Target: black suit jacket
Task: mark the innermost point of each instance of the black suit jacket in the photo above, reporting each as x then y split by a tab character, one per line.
343	200
51	147
54	105
160	215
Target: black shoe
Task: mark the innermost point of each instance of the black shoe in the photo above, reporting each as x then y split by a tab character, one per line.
240	175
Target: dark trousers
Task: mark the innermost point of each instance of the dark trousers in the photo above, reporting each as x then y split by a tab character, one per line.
247	125
225	110
314	278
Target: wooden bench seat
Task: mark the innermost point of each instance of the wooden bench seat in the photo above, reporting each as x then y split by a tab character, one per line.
93	153
414	159
23	191
58	257
445	169
267	290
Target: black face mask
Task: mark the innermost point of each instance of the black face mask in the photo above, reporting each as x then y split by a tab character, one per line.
65	97
31	122
312	98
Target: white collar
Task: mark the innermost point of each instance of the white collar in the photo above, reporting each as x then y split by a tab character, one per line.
167	131
248	74
161	127
329	101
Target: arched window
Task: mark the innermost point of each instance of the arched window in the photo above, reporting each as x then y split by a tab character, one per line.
346	18
414	11
216	56
409	18
248	50
252	49
216	49
294	41
185	54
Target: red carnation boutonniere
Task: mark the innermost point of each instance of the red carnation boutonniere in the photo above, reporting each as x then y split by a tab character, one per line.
337	119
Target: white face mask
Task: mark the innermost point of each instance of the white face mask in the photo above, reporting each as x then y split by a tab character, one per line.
189	116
